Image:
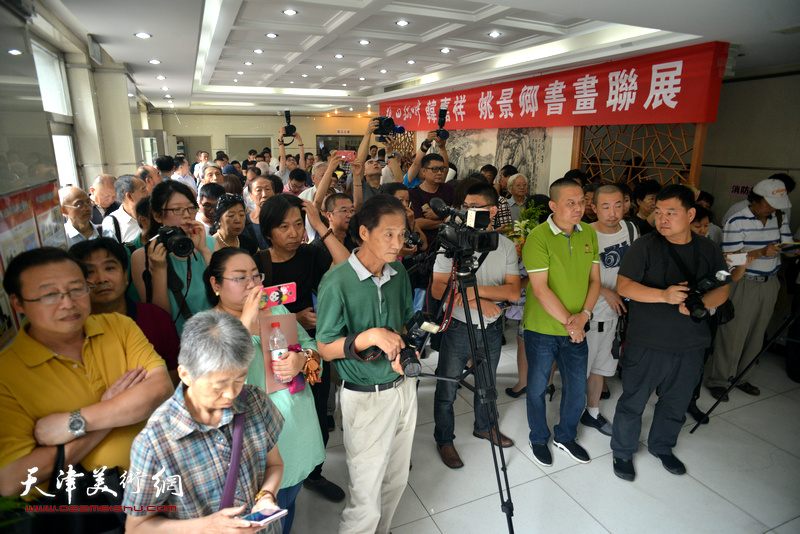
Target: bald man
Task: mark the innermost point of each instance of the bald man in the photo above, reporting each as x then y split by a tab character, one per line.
150	176
77	207
103	197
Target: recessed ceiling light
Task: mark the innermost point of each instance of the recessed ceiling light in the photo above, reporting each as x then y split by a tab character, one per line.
143	35
235	80
248	63
130	95
402	23
362	78
167	96
239	72
369	105
161	77
172	105
258	51
272	35
363	42
165	88
155	62
383	71
338	56
445	50
319	66
410	61
494	35
290	81
351	109
344	85
14	52
289	12
304	75
169	101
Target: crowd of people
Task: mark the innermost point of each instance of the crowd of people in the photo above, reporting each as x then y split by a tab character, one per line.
152	326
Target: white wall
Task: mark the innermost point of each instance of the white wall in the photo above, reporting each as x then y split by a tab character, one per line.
757	134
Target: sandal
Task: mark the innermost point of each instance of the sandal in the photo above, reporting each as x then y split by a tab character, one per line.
749	388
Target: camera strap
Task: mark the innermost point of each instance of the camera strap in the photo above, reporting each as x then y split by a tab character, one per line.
174	284
677	259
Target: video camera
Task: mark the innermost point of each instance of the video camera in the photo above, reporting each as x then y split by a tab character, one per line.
694	303
175	241
387	128
468	236
412	239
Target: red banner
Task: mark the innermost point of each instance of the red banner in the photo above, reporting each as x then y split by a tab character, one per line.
674	86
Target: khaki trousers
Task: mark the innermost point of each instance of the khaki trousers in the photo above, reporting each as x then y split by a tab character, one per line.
740	340
378	435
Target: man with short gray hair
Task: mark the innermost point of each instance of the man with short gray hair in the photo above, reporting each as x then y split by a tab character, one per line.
77	208
150	176
103	197
121	224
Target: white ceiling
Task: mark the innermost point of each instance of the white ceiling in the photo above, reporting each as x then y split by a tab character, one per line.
203	46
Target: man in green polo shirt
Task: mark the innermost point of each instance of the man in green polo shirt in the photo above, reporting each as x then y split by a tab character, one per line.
561	257
360	301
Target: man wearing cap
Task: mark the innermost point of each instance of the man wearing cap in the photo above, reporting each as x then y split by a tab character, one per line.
757	230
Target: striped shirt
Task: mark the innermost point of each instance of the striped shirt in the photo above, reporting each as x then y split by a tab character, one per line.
745	232
174	445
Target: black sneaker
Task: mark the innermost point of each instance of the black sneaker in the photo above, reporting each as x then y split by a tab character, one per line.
600	423
326	488
671	463
541	454
575	451
624	469
697	414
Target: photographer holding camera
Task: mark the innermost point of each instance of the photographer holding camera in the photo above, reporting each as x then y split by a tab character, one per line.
498	280
363	303
176	256
661	274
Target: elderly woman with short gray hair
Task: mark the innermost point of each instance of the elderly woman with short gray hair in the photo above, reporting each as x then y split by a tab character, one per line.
183	456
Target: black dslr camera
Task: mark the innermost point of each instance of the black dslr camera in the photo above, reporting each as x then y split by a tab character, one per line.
441	132
413	239
694	303
464	234
418	329
289	129
387	128
175	241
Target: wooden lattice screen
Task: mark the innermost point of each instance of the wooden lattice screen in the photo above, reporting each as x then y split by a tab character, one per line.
668	153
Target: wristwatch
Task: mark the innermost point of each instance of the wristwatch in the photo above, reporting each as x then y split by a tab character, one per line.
588	312
77	424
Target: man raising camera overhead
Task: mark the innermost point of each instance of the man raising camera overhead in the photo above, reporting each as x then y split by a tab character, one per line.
665	344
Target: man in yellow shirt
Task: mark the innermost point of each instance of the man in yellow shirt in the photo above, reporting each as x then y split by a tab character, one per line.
89	382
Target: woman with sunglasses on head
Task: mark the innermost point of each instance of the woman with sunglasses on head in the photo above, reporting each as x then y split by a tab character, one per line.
230	219
173	205
233	284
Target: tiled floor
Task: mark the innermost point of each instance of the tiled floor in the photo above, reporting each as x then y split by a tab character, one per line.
743	471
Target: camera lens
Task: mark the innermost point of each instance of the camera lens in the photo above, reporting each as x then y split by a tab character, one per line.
410	363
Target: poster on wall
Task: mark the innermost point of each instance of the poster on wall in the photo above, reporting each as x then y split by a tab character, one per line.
49	219
8	327
17	227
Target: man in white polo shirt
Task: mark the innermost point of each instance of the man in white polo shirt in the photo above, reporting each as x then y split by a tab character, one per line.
121	224
757	230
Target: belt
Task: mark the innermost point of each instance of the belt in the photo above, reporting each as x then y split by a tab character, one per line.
373	389
754	278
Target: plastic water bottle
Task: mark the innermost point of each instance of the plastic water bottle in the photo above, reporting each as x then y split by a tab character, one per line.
278	347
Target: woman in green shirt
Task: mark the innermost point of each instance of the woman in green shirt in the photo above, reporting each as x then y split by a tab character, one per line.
233	285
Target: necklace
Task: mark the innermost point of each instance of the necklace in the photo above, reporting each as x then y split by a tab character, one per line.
226	244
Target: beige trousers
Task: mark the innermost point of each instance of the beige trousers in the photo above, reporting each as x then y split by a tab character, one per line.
378	435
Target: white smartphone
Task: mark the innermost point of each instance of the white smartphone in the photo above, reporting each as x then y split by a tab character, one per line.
265	515
734	260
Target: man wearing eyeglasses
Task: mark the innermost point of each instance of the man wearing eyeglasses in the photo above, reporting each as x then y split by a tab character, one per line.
89	382
433	171
77	208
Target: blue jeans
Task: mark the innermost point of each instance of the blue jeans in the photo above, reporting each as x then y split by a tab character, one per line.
286	498
541	350
454	353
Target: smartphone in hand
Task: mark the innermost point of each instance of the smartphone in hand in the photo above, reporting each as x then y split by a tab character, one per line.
265	516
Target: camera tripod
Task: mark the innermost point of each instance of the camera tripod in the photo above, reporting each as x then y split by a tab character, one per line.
734	381
485	387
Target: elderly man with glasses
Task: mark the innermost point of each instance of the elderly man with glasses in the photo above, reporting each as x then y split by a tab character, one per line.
88	382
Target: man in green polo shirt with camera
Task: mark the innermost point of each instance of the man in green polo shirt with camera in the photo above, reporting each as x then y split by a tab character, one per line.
561	257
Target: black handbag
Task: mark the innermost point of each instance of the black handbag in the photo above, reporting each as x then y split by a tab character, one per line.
80	522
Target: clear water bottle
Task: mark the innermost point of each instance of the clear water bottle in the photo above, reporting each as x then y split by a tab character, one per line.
278	347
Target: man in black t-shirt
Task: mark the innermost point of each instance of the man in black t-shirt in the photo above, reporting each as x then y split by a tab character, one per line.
433	173
664	350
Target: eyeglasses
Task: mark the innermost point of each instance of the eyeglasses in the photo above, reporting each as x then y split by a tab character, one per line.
437	169
477	207
79	205
53	298
191	212
245	280
346	212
